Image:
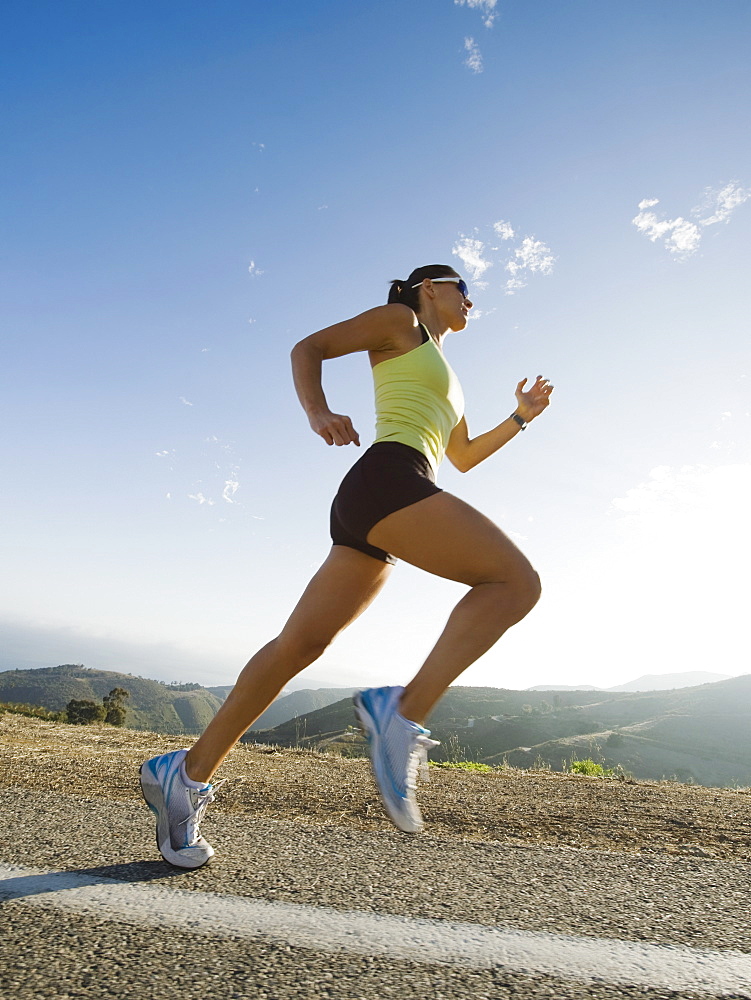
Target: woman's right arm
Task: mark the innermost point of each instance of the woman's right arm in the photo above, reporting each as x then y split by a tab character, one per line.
378	329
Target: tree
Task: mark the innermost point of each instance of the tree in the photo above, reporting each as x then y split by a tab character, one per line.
114	710
82	713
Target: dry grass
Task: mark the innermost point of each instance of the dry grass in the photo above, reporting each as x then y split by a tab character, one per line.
511	806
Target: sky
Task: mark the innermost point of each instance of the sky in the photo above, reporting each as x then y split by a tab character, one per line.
189	189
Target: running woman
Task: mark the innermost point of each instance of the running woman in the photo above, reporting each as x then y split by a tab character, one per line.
388	507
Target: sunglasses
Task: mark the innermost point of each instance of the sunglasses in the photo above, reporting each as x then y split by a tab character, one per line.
460	283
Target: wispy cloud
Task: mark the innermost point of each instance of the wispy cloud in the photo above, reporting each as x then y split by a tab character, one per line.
680	236
231	487
206	471
529	256
185	402
201	499
470	252
532	257
474	56
253	270
486	7
504	229
721	203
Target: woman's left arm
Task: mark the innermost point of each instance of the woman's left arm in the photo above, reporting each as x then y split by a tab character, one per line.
465	452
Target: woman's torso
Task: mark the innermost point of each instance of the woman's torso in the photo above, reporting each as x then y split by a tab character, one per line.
418	399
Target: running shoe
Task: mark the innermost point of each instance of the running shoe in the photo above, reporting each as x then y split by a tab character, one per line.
178	809
397	749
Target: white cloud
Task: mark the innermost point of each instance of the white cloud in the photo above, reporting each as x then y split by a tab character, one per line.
680	236
201	499
532	256
721	203
185	401
253	270
486	8
474	56
504	229
230	488
470	251
529	256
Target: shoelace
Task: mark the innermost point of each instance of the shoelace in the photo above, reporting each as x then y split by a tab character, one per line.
204	798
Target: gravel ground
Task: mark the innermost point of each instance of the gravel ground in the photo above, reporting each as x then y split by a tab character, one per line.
655	862
511	806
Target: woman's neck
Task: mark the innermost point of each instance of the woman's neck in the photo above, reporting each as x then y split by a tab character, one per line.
433	324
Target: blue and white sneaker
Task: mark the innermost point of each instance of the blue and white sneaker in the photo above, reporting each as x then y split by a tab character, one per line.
397	749
178	809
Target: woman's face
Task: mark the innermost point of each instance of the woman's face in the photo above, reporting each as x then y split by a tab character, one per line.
453	300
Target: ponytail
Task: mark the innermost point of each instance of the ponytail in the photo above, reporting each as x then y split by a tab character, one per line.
405	293
401	292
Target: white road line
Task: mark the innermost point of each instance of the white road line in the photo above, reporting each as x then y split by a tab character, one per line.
581	959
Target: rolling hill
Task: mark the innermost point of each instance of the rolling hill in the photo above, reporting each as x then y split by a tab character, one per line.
699	734
154	706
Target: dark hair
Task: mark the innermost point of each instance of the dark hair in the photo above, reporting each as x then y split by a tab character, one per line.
402	291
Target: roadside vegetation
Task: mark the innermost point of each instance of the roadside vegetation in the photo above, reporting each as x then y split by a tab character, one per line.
80	712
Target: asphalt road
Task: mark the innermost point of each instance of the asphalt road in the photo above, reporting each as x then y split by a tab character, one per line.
50	947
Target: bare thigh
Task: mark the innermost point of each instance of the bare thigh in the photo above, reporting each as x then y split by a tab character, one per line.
447	537
344	586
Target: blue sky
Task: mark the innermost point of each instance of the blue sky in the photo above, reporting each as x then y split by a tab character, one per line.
188	189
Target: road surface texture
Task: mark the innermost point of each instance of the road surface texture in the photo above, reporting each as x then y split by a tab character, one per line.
328	901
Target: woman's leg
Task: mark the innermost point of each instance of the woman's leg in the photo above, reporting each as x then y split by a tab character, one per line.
448	538
341	590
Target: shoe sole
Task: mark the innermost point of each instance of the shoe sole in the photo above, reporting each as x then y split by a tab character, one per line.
370	731
154	799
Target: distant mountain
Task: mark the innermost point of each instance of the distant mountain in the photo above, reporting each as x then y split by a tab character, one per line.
647	682
564	687
698	734
221	691
297	703
153	705
158	707
670	682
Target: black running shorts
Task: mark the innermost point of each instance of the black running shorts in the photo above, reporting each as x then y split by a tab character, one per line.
389	476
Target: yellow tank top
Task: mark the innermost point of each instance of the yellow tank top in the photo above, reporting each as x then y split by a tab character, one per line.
419	400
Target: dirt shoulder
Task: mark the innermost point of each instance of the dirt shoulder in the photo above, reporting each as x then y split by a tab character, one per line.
510	806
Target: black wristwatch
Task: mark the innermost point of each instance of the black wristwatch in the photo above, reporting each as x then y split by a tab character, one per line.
520	420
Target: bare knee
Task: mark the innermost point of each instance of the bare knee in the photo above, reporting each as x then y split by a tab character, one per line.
532	589
302	650
517	593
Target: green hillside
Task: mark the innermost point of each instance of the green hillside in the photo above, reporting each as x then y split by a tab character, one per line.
152	705
297	703
699	734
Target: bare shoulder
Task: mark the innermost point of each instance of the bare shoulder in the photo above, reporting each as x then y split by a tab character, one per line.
401	332
381	330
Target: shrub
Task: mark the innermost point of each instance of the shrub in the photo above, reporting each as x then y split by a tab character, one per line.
589	767
462	765
114	710
81	713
